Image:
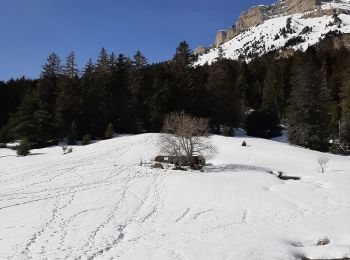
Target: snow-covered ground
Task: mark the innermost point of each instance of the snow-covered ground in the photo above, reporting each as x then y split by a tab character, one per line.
336	4
98	203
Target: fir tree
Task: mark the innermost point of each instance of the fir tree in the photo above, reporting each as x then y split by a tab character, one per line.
86	139
72	135
344	132
70	69
221	53
112	63
139	61
88	73
23	148
52	68
103	64
137	86
68	100
307	114
225	98
35	118
272	98
181	68
109	131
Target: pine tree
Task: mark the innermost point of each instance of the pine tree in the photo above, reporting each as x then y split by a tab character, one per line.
221	54
344	134
181	70
137	75
137	88
101	94
68	100
125	112
70	68
243	85
72	135
103	64
161	100
86	139
88	76
109	131
307	115
112	63
22	122
272	98
88	100
139	61
183	57
52	68
23	148
225	98
88	72
35	118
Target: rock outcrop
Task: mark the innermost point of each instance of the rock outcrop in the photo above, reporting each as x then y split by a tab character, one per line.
200	50
225	35
251	18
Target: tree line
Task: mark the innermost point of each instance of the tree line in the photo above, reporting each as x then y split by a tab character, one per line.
309	92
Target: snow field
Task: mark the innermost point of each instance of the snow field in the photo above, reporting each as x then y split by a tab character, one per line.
98	203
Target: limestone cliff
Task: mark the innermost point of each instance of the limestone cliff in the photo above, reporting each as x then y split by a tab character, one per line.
259	14
281	29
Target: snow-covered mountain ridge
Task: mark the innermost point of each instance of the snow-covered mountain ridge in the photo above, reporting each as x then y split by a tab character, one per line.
263	29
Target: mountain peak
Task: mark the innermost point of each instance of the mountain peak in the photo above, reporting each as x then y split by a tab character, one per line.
296	24
260	13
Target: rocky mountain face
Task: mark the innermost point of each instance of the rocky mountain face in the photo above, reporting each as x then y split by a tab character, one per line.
259	14
300	19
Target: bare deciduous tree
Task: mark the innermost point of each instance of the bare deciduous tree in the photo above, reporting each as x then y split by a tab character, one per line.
323	163
185	136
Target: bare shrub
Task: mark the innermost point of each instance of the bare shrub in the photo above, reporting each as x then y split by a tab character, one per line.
185	137
323	163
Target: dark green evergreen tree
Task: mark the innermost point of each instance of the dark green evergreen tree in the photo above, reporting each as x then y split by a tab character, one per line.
24	148
72	134
86	139
52	68
109	131
137	87
181	66
225	98
273	87
68	101
307	116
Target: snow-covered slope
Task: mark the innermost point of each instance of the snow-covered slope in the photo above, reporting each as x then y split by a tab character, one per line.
274	34
98	203
335	4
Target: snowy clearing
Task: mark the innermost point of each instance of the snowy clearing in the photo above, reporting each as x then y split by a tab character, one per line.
98	203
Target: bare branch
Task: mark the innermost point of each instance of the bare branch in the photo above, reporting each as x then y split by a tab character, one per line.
186	136
323	163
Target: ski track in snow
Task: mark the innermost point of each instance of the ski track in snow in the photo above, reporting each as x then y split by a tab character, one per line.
98	203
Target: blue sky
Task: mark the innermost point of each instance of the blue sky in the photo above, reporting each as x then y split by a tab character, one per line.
31	29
